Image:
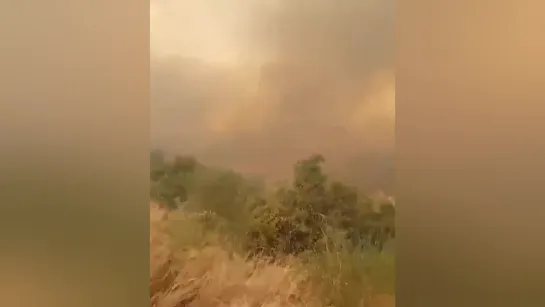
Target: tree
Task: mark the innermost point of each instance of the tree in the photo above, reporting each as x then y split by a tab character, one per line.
293	219
170	179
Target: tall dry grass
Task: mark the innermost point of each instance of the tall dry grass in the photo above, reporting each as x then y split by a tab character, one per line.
209	275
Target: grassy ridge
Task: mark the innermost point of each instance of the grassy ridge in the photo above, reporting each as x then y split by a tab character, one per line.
220	239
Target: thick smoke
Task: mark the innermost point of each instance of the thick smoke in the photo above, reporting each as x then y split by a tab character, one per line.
327	87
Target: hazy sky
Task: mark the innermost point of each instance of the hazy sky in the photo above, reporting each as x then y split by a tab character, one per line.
258	84
208	29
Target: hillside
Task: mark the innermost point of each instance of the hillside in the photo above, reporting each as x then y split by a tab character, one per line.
220	239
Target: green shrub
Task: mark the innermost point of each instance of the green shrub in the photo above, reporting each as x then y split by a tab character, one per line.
347	274
329	226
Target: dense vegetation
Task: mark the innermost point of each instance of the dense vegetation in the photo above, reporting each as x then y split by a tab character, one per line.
289	220
337	232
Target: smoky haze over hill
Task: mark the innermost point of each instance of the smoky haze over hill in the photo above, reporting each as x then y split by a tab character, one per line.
327	87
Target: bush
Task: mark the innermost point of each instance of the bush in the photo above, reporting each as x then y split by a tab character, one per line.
328	230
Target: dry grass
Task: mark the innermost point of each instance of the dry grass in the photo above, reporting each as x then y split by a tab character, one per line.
213	277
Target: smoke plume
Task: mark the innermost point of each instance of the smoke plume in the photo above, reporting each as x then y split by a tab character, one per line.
326	86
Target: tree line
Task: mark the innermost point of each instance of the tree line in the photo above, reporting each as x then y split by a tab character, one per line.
298	217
